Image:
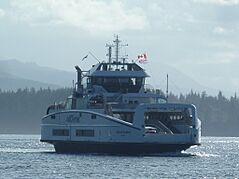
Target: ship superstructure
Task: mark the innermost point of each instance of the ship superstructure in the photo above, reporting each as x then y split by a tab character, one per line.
116	113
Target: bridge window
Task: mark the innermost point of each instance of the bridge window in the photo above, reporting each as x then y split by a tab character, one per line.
116	84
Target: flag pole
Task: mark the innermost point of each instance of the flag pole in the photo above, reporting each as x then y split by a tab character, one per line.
94	57
167	88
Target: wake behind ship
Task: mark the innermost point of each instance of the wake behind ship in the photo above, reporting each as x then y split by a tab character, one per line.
115	113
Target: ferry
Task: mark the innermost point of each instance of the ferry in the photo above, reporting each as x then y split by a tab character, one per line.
111	111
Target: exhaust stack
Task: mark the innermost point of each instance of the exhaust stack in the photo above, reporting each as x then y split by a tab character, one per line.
79	88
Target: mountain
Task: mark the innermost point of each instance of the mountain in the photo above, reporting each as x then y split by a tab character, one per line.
15	74
9	82
178	81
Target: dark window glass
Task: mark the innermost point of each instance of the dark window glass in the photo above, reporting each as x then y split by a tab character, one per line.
60	132
85	132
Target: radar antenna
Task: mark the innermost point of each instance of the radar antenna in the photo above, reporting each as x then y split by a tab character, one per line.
117	46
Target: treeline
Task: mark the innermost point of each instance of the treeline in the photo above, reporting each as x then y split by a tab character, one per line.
21	111
219	115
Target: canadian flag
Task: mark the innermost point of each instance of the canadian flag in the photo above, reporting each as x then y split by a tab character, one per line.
142	58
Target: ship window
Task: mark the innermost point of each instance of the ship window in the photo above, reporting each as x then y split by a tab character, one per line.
161	100
129	67
93	116
105	67
123	80
88	82
132	81
97	81
85	132
124	84
60	132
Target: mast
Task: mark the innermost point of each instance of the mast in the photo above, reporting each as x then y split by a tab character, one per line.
117	47
117	41
110	51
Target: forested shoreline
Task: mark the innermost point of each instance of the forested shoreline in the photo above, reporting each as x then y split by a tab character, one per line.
219	115
21	110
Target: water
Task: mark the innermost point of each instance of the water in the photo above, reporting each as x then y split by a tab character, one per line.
23	156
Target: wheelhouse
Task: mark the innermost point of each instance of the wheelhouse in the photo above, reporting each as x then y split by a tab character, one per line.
117	77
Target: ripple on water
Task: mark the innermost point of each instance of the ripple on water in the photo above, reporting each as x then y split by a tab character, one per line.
204	154
20	150
25	157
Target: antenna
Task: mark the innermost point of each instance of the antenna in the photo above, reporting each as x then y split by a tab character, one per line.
117	47
167	88
117	41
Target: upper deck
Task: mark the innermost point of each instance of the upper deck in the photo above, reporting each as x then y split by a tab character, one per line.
117	77
117	69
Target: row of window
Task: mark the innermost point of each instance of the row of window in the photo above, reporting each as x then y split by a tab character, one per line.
79	132
174	116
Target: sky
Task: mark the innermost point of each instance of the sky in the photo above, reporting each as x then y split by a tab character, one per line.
199	38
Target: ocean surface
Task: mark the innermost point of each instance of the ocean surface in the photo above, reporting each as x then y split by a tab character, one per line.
23	156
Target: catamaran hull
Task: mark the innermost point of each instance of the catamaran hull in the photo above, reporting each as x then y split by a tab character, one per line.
117	148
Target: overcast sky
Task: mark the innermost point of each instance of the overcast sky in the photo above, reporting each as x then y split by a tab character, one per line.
197	37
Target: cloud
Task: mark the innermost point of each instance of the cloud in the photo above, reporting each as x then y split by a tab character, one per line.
89	15
169	15
218	2
223	45
220	58
219	30
2	13
222	30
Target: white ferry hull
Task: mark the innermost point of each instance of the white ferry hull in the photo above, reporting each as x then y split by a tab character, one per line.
76	132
